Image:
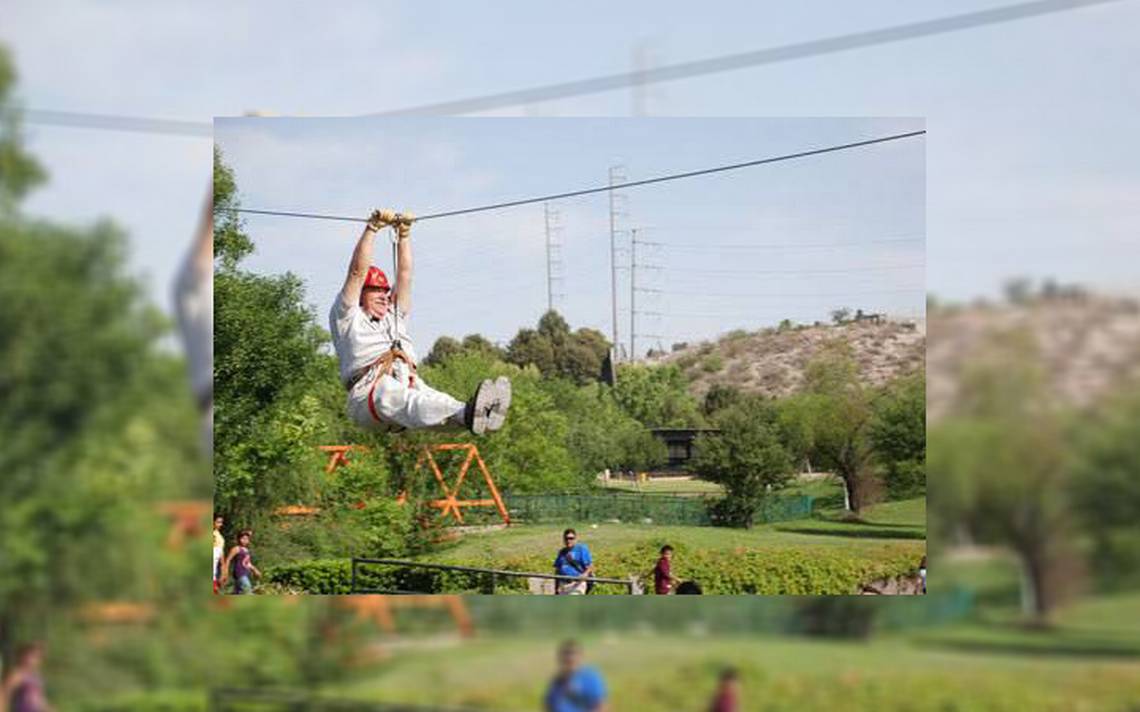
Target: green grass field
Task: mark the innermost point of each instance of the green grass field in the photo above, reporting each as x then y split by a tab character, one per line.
826	554
900	521
913	672
666	486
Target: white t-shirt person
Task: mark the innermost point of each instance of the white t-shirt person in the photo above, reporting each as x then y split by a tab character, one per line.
402	398
364	329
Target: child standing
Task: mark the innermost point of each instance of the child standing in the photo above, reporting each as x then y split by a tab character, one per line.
663	579
239	562
219	551
23	688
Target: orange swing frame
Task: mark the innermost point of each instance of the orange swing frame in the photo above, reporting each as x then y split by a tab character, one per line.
450	505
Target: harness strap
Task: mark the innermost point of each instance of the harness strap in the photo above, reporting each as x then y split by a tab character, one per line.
385	365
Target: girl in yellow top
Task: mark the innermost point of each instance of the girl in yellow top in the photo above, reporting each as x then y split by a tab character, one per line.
219	549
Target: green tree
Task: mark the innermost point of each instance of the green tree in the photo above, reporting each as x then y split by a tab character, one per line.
898	435
530	453
532	348
477	343
720	396
96	418
747	457
657	396
1105	493
578	362
1004	470
554	327
556	351
231	244
444	348
19	171
797	423
266	367
838	407
600	434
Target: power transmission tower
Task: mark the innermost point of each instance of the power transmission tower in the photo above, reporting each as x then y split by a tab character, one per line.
617	209
634	265
553	254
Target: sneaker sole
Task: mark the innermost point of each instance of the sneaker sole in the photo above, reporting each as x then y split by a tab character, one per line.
484	398
502	404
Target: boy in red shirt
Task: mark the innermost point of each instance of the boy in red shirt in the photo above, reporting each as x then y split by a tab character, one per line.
663	579
727	697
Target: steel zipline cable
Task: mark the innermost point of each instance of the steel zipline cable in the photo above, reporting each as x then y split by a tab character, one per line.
599	189
621	80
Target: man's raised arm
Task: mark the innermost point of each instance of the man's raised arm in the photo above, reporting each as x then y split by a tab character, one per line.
362	256
404	274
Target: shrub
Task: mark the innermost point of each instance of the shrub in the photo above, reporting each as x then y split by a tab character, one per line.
712	363
161	701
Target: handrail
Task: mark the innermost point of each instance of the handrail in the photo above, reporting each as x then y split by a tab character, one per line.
629	583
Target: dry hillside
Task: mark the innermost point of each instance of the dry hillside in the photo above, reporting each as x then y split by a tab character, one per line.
772	361
1087	345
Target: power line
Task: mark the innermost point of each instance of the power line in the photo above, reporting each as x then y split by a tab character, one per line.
641	77
839	295
743	60
605	188
872	268
783	245
118	122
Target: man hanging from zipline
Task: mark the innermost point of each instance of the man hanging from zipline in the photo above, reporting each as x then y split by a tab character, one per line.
368	322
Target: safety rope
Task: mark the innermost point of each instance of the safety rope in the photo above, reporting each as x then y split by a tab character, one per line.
599	189
396	277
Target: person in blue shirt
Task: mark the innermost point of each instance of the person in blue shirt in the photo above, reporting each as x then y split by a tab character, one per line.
575	688
573	560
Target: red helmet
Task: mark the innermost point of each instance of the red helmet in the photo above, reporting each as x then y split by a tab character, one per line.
376	278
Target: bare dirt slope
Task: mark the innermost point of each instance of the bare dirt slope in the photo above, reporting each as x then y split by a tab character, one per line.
1088	345
772	361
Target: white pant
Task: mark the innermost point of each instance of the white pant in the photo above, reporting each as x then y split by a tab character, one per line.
217	560
396	404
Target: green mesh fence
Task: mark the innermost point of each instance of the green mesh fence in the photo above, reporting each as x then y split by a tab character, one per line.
638	508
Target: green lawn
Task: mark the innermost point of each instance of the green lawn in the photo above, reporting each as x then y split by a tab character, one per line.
827	491
545	539
811	556
900	522
674	672
667	486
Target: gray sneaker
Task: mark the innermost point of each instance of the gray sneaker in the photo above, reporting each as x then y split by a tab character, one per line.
479	407
501	404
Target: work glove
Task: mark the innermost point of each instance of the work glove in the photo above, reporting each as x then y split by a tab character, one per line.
404	225
381	218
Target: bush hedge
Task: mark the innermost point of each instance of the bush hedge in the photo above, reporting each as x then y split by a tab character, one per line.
161	701
741	571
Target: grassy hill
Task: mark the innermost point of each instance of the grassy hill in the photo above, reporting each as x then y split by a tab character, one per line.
772	361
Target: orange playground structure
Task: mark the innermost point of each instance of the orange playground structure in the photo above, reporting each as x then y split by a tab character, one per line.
450	505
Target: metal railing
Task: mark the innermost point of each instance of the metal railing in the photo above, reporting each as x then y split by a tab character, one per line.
630	584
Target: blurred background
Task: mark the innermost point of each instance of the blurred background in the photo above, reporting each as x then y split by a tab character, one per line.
1033	337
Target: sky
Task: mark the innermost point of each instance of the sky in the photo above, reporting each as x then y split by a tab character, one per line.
1030	158
739	249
